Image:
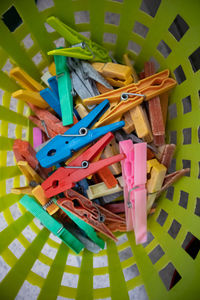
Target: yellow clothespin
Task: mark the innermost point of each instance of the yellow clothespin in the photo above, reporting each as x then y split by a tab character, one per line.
110	150
30	174
117	75
47	204
30	97
26	81
156	172
141	123
128	63
25	190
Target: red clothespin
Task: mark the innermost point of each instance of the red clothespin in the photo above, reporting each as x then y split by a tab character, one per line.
23	151
47	122
81	167
90	212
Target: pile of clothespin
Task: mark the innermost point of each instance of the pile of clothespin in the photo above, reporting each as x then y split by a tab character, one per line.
99	158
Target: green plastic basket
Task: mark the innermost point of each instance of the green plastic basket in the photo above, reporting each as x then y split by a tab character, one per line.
164	31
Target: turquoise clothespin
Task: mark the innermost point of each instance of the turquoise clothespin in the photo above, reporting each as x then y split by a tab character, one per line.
50	223
89	230
83	48
64	90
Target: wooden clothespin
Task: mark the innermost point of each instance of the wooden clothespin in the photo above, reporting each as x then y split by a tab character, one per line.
156	175
155	111
110	150
100	189
26	81
117	75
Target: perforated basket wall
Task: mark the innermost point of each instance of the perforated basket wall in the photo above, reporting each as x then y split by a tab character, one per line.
166	32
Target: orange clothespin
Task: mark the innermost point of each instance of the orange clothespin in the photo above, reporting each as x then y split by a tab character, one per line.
90	212
52	69
47	204
128	97
26	81
117	75
155	111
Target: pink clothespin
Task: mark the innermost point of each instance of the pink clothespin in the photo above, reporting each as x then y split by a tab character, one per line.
134	172
37	137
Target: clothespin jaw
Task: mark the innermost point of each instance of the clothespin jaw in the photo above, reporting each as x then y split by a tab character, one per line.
80	168
30	97
26	81
134	175
61	147
87	50
50	223
64	89
156	173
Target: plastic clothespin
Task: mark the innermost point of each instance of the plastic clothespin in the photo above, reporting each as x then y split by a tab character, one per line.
46	203
30	97
65	177
50	223
117	75
62	146
37	137
64	89
100	189
171	179
89	212
84	78
26	81
25	190
23	151
155	111
121	136
83	48
47	122
128	97
134	175
50	95
156	174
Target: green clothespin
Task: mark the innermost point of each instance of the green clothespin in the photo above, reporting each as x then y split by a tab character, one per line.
50	223
89	230
83	48
64	90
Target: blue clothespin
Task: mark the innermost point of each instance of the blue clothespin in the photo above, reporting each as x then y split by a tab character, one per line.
52	224
52	99
61	147
53	83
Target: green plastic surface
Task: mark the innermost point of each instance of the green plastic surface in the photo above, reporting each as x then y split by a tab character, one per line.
186	120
